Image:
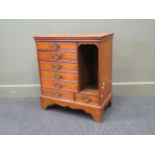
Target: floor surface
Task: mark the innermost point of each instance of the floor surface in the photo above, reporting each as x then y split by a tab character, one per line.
128	115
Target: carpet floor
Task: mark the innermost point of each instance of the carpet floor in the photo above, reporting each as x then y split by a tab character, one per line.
127	116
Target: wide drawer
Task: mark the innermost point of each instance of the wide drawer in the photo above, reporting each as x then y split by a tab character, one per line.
71	86
57	93
57	56
88	99
59	75
55	46
45	65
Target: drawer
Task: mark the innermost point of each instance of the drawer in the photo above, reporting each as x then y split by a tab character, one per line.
59	75
55	46
57	93
45	65
57	56
88	99
72	86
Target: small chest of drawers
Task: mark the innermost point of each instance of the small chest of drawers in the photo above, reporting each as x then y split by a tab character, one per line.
75	71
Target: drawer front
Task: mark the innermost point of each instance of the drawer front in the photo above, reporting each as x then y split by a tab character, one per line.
55	46
88	99
57	93
44	65
59	84
59	75
57	56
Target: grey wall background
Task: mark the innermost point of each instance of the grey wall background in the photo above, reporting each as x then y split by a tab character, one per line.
133	53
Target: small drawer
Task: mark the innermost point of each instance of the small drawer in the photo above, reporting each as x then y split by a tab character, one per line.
59	75
71	86
58	56
55	46
88	99
57	93
45	65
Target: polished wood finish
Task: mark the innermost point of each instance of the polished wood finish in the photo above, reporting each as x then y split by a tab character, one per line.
57	66
59	75
76	71
73	86
75	37
85	98
58	56
55	46
57	93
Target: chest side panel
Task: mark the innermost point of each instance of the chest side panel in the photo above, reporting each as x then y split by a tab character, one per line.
105	69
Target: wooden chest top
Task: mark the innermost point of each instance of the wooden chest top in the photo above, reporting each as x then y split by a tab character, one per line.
96	36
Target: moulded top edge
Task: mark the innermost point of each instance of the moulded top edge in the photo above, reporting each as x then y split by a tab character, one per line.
74	36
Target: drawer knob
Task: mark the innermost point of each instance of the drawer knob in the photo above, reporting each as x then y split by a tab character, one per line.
58	85
57	66
87	100
56	56
57	94
54	46
58	76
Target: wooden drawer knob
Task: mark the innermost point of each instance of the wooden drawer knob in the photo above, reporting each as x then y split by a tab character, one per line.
54	46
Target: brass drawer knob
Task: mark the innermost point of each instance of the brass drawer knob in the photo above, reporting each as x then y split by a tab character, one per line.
54	46
57	66
56	56
58	85
58	77
57	94
87	100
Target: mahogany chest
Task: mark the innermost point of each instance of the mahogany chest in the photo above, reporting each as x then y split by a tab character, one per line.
76	71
